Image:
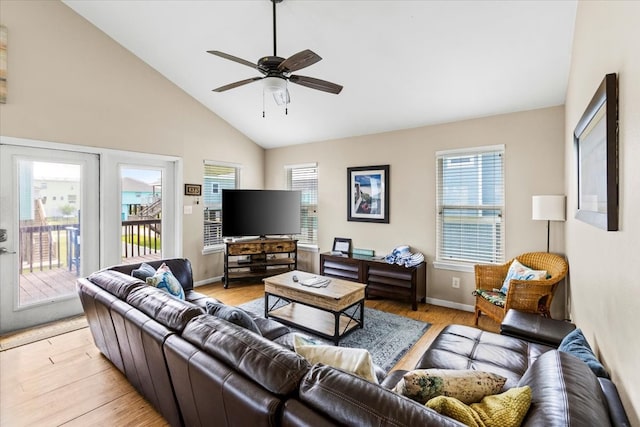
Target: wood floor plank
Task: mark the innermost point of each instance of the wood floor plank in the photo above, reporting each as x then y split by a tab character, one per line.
130	409
68	402
64	380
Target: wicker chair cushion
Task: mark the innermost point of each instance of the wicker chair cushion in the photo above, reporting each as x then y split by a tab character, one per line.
494	297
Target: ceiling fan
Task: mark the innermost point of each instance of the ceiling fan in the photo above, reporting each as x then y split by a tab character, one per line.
277	71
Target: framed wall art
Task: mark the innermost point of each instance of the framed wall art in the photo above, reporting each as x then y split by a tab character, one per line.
596	143
192	190
368	194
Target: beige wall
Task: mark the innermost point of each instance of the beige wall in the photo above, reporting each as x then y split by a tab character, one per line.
70	83
604	285
534	165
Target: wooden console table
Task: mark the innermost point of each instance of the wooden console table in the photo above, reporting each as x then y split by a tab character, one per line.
259	258
382	279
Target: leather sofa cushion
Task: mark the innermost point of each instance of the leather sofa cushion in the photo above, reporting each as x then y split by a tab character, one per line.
275	368
463	347
350	400
116	283
564	392
163	307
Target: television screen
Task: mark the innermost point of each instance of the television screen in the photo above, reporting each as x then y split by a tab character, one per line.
260	212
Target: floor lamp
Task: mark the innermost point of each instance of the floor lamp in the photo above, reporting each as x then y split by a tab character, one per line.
548	208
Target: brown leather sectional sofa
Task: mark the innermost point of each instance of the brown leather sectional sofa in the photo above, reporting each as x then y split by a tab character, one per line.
196	369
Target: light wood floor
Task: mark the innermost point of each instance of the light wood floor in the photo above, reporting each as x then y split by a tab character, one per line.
65	380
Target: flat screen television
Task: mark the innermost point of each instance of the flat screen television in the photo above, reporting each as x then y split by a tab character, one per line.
260	212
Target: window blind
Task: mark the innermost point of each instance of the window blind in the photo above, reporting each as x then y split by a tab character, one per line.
304	178
216	178
470	203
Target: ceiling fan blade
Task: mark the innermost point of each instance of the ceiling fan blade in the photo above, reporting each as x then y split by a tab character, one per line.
314	83
299	61
236	84
233	58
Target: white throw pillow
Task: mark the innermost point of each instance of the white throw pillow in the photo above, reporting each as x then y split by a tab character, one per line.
354	360
519	271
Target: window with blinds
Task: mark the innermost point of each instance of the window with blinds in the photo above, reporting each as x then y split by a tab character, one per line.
304	178
216	178
470	203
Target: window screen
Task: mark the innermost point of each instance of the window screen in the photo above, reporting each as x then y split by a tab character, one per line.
304	178
216	178
470	202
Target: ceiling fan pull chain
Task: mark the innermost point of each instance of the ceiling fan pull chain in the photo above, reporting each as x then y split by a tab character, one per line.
286	97
263	103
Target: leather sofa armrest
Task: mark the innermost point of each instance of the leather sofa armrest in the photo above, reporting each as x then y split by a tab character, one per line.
617	413
393	378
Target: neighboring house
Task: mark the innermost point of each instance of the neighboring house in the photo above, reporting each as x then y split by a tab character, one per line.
136	194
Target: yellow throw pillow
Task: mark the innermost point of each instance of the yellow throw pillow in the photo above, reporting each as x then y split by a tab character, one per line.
466	385
507	409
354	360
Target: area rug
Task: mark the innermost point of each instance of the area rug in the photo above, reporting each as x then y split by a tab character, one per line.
387	336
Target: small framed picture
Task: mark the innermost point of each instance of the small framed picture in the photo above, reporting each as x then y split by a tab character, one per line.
192	190
342	245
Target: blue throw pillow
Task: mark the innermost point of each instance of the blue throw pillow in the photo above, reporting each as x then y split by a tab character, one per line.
576	344
144	271
233	315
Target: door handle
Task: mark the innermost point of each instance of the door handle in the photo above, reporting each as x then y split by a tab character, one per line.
6	251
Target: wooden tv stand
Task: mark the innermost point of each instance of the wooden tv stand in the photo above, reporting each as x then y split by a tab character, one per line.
382	279
259	258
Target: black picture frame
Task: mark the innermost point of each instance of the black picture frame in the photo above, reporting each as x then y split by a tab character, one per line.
368	194
342	245
596	144
192	190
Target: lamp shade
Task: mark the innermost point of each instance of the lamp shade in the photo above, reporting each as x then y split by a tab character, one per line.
548	208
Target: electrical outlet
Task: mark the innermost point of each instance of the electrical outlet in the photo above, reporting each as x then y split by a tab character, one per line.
455	282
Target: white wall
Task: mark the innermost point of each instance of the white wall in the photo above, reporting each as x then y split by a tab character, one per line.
70	83
604	285
534	157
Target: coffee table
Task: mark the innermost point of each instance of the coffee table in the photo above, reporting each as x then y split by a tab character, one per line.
331	312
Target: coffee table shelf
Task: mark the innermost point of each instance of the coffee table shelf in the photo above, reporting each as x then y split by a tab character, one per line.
313	319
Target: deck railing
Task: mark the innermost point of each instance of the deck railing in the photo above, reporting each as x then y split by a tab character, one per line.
45	247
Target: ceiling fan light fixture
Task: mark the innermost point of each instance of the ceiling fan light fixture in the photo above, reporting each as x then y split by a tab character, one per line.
274	84
282	97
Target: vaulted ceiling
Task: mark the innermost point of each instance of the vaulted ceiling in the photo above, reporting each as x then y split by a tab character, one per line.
403	64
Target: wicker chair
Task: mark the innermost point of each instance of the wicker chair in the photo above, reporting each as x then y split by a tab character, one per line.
532	296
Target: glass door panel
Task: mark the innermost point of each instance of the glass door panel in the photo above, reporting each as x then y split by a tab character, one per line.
46	197
141	214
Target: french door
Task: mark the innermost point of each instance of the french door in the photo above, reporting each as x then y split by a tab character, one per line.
49	232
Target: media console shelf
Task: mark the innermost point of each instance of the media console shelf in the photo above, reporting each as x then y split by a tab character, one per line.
259	258
382	279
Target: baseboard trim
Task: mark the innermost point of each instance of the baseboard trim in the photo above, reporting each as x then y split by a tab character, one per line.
207	281
450	304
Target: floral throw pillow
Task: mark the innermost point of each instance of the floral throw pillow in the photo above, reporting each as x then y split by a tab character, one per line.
519	271
165	280
466	385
